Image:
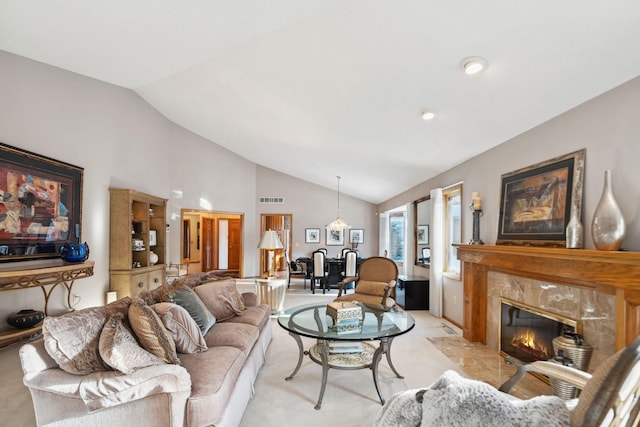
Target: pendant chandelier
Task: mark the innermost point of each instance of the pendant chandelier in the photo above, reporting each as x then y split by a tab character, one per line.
337	225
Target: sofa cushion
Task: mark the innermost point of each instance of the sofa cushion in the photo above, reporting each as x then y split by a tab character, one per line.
221	298
120	350
214	374
185	297
257	315
73	339
183	328
239	335
151	332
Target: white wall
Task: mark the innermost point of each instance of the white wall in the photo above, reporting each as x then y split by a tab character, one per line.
314	206
609	129
120	141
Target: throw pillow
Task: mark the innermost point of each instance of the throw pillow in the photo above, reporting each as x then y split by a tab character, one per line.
456	401
150	332
371	288
221	298
183	328
120	350
72	340
190	301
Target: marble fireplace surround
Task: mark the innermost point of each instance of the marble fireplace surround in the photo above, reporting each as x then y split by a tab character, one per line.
602	289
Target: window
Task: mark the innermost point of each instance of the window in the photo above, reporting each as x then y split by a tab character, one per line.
396	236
453	228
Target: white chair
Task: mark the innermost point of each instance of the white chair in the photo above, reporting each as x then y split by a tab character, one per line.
426	255
350	265
320	272
343	252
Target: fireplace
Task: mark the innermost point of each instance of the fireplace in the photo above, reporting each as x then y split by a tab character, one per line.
527	333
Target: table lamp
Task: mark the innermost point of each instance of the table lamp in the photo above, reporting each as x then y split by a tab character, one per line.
269	242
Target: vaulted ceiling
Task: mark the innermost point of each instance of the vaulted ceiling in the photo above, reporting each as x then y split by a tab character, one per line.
317	89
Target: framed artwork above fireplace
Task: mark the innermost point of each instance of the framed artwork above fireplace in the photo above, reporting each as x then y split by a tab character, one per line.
537	202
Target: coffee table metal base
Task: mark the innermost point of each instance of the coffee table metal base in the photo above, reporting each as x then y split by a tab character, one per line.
368	358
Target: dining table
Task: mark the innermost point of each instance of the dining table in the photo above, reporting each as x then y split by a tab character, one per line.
335	267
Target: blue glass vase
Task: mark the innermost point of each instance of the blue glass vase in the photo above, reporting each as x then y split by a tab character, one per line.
75	252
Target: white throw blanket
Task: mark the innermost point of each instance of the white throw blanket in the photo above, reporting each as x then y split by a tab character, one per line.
456	401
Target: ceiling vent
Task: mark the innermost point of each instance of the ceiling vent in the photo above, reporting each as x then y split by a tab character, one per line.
272	200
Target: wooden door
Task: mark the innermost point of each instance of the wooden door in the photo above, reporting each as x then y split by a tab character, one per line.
235	243
209	245
280	223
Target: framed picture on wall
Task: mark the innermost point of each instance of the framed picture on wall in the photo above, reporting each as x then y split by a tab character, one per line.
423	234
536	202
356	236
312	235
335	237
42	204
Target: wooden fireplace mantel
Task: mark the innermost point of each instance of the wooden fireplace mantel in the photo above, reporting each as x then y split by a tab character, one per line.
616	273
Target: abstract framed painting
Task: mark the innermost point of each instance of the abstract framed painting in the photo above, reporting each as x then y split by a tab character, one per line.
40	204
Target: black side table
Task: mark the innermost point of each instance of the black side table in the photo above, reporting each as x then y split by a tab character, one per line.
412	292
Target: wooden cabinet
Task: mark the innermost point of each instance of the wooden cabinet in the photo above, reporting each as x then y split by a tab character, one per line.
412	292
137	235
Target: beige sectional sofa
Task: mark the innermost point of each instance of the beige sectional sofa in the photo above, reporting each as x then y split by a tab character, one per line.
89	371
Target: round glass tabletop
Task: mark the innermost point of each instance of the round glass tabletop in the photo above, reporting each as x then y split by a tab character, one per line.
374	323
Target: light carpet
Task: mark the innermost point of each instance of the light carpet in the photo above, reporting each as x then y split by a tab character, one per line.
350	397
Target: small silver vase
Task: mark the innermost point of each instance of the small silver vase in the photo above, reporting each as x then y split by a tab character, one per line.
607	228
575	233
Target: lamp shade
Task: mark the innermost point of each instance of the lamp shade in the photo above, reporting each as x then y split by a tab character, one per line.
270	240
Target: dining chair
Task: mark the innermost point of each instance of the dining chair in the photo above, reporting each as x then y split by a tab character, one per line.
426	255
320	272
343	252
350	266
297	269
324	250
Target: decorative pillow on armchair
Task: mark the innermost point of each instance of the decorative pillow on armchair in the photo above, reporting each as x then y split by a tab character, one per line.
371	288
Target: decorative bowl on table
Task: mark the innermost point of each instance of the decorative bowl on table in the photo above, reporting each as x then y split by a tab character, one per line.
26	318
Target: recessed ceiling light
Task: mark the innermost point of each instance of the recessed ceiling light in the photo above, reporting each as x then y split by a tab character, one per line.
427	114
473	64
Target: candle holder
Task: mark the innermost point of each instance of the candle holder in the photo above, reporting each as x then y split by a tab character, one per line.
477	213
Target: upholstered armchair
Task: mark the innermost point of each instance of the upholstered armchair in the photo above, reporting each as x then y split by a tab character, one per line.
375	283
609	397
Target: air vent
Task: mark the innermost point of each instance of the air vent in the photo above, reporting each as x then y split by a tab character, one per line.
272	200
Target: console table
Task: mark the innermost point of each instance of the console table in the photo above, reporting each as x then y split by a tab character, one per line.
65	274
412	292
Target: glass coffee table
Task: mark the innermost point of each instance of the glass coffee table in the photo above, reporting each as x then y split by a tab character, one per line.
345	346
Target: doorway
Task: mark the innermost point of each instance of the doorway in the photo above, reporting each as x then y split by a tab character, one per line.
212	241
281	224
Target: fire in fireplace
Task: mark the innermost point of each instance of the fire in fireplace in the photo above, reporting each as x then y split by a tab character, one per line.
527	333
